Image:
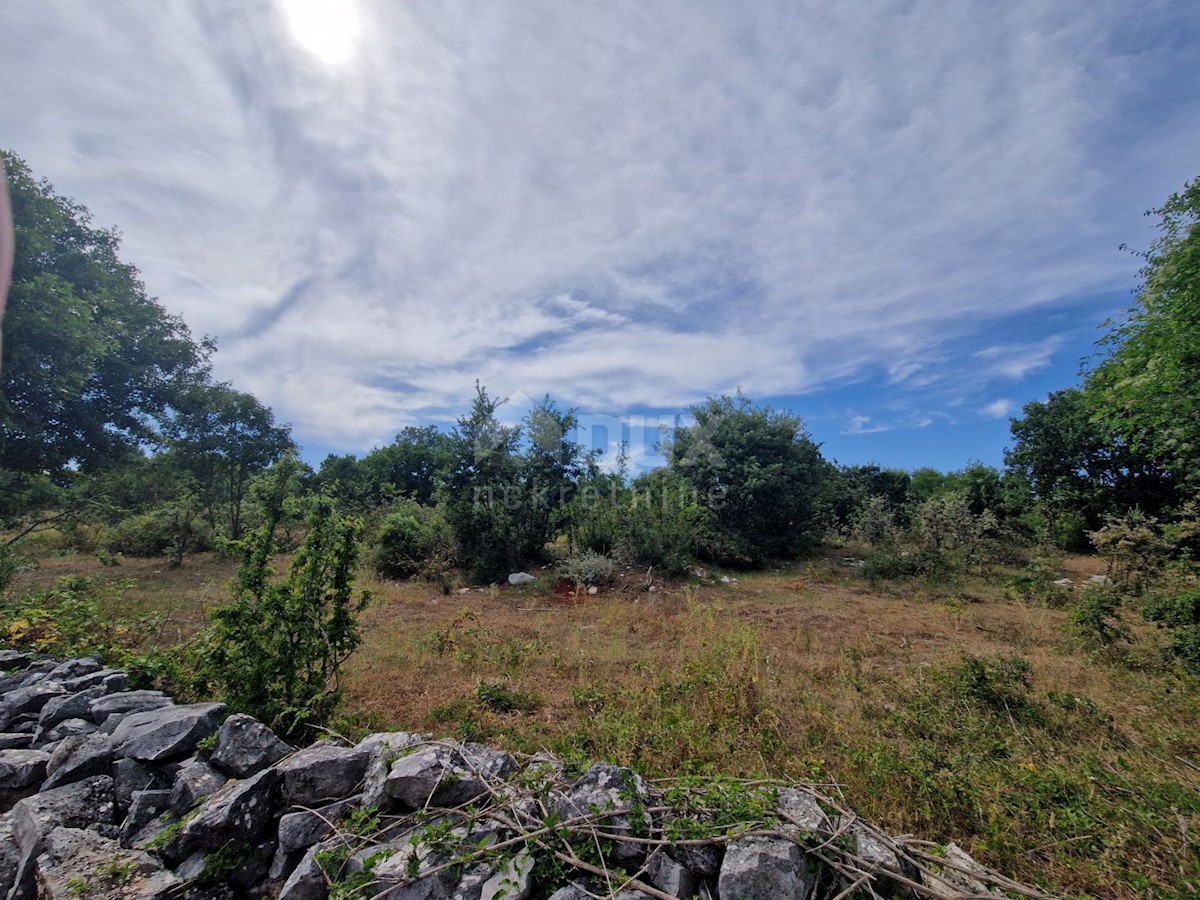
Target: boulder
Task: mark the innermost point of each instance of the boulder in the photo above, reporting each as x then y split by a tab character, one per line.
245	745
109	680
11	741
20	769
383	748
765	868
167	733
321	773
61	731
606	788
670	877
79	757
74	705
144	808
241	811
434	774
129	776
125	702
194	782
512	881
300	830
520	578
10	855
308	880
27	701
801	812
77	863
74	668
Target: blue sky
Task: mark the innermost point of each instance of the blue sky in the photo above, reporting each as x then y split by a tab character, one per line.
902	225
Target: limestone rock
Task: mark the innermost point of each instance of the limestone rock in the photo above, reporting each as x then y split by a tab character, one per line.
670	876
75	860
167	733
79	757
245	745
433	774
193	783
240	811
606	788
27	701
321	773
520	578
300	830
21	769
74	705
65	729
144	807
765	868
382	749
125	702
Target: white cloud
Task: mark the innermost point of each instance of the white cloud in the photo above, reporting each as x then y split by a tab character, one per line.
624	205
997	409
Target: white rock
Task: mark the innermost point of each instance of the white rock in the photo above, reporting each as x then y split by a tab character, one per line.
520	578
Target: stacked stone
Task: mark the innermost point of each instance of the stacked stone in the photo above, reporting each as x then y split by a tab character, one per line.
111	793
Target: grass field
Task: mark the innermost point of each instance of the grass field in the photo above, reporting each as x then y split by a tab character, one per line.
953	711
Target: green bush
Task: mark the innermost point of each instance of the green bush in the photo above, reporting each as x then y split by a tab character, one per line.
402	543
1096	617
1180	615
276	651
588	568
170	530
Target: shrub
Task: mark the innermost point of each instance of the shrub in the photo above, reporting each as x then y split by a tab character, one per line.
1133	546
171	530
1096	618
588	568
1180	615
402	543
276	651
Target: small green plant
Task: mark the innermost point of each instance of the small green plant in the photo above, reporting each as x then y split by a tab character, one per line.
500	697
78	887
1096	618
1179	613
588	568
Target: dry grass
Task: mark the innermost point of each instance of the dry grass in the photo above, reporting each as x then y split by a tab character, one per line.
808	672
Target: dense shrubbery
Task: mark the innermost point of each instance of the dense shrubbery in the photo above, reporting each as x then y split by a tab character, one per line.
170	529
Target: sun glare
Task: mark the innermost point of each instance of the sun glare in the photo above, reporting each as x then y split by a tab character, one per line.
328	29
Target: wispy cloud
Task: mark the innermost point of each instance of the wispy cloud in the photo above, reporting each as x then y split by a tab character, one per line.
997	409
626	205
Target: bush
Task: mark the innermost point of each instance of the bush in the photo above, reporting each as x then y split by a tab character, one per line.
1096	618
1180	615
588	568
402	543
276	651
171	530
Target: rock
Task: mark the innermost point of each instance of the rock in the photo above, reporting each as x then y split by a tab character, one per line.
75	705
962	875
240	811
10	741
434	774
245	745
79	863
703	860
300	830
74	668
79	757
408	861
10	855
606	788
321	773
108	680
31	674
593	591
383	748
877	857
193	783
1100	579
144	807
130	776
27	701
1064	582
802	813
572	891
493	765
765	868
724	579
167	733
20	769
79	805
15	659
513	880
125	702
308	880
520	578
670	876
62	731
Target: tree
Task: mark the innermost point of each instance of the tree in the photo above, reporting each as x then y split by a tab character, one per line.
1147	390
223	437
410	466
761	475
1076	466
90	363
277	649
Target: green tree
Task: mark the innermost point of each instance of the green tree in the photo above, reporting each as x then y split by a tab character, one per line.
277	650
759	473
223	437
1147	390
90	363
411	466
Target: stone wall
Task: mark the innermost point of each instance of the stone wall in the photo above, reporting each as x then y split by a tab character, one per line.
111	793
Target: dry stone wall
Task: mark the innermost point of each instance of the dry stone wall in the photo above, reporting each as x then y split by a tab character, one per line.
111	793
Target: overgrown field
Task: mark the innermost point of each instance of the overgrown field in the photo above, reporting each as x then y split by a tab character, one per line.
969	711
